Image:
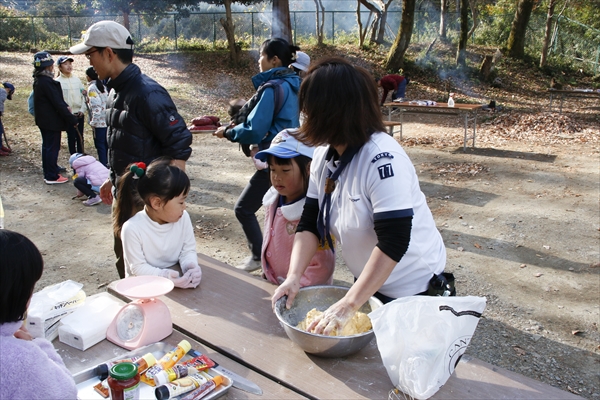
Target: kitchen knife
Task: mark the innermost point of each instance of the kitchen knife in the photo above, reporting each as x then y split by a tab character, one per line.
238	381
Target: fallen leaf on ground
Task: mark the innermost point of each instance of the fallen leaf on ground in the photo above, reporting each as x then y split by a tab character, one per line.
522	266
538	274
459	249
477	245
546	247
519	351
576	332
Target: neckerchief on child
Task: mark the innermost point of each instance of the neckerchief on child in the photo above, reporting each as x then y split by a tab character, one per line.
324	213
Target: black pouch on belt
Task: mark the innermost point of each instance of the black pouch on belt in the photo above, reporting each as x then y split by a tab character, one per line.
442	285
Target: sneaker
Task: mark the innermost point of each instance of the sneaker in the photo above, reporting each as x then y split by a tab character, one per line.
61	169
6	149
92	201
249	264
4	153
60	179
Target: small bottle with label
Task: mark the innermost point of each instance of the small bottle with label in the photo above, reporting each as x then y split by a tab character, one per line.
451	100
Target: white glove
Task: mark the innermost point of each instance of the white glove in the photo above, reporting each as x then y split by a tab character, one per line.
196	274
182	282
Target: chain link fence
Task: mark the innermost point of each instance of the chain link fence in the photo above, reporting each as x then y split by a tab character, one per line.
571	41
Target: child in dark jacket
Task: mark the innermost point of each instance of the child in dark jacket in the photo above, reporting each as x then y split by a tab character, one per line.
90	174
52	115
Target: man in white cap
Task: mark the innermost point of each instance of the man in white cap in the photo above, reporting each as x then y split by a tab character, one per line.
143	122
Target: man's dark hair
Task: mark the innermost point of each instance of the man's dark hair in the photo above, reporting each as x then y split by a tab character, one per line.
21	266
124	55
340	104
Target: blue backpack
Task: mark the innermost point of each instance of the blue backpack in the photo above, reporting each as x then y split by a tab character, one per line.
30	104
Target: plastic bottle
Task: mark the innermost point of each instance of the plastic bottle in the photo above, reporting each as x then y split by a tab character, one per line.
124	381
189	367
451	100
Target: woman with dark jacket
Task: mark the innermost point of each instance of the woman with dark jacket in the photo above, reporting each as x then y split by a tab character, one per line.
52	115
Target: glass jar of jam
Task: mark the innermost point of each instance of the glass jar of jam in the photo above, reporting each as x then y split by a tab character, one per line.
124	381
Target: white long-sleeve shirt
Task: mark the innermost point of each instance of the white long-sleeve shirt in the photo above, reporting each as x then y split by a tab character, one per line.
72	93
149	247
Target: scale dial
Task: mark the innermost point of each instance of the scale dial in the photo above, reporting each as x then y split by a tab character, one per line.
130	322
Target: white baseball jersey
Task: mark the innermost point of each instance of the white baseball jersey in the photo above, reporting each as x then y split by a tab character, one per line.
380	180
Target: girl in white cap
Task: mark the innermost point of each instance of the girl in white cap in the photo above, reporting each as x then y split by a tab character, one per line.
289	166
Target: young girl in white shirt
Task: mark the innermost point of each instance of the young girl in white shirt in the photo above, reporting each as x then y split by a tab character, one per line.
161	235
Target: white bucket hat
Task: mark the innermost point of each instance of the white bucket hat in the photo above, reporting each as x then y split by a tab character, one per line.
302	61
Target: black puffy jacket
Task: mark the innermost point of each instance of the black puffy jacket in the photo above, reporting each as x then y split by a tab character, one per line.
143	123
51	110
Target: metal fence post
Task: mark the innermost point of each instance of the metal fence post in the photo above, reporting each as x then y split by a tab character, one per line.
139	28
69	30
175	27
295	41
214	31
597	57
33	33
332	27
252	27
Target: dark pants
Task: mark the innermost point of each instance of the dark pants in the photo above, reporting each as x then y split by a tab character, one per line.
246	207
400	92
73	138
101	147
84	187
50	149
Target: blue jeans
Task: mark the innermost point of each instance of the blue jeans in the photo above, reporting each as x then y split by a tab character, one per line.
100	143
73	139
50	149
401	91
246	207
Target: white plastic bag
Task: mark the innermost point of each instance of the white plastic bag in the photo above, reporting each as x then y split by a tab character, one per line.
421	339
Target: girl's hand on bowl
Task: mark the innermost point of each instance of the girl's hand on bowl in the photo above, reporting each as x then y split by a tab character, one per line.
333	319
289	288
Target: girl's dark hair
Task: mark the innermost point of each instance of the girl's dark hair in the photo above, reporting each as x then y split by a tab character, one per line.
91	72
280	48
340	104
21	266
161	179
303	164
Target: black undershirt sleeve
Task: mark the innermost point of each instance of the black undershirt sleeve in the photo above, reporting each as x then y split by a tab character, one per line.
310	214
393	235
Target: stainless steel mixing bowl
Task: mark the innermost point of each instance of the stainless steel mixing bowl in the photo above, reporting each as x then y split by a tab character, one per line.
321	297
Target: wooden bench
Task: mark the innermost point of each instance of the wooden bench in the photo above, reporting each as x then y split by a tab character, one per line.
390	127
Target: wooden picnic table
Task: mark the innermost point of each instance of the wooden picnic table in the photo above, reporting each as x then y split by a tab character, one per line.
562	93
468	111
230	312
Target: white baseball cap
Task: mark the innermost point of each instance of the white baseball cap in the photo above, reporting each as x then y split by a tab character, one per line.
104	34
302	61
285	145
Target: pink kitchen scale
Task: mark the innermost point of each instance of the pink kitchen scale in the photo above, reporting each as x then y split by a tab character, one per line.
146	319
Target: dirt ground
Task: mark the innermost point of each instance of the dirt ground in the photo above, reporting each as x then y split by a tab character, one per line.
520	219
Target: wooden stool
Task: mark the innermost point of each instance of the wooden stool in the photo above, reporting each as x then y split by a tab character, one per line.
390	125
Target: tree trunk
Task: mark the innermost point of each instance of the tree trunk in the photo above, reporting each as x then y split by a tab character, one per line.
547	33
461	54
382	24
282	24
516	40
126	19
320	17
374	26
395	58
322	27
475	15
361	36
227	23
443	20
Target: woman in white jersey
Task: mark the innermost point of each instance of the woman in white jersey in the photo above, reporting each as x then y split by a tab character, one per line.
363	191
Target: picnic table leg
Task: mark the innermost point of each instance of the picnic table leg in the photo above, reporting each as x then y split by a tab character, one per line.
474	127
550	107
562	98
389	113
401	122
466	131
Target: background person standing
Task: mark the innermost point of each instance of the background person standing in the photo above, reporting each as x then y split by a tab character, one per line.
7	93
143	122
73	93
52	114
